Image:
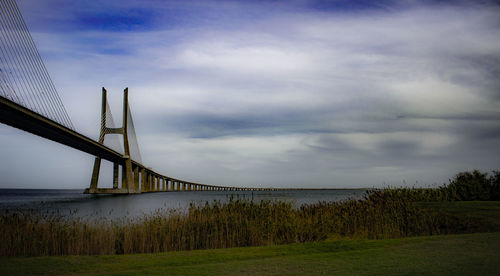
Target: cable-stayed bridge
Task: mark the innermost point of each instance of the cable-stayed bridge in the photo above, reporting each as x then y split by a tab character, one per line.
30	101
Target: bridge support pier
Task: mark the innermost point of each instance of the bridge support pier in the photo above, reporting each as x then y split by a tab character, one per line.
136	180
115	175
144	177
128	180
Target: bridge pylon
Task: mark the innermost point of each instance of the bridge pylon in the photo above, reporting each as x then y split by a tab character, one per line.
130	176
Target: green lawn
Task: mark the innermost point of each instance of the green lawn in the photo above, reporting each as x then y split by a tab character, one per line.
468	254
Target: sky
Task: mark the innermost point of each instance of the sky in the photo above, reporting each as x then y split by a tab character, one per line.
310	94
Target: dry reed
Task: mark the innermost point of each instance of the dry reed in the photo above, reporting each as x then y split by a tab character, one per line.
220	225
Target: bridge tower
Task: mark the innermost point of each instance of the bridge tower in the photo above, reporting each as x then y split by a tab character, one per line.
130	176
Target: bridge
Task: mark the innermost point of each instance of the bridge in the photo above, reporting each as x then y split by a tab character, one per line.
29	101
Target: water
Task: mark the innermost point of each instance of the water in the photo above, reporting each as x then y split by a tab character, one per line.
75	203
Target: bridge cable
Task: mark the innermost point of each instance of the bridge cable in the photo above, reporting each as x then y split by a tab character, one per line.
133	143
11	64
13	51
113	140
26	75
8	89
6	86
21	59
45	71
33	62
52	96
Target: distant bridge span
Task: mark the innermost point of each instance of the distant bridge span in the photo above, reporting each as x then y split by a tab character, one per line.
29	101
136	178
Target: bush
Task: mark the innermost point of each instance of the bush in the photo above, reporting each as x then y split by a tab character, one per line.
471	186
495	185
465	186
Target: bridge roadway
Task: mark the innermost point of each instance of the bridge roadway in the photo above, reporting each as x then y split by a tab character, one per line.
22	118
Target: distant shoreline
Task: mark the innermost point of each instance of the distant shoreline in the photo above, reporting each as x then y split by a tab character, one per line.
275	189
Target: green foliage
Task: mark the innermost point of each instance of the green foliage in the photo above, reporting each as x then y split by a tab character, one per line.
471	186
464	186
495	185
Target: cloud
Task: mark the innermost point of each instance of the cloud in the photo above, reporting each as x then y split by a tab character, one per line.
266	95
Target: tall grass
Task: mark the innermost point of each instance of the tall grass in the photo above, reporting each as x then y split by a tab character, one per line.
219	225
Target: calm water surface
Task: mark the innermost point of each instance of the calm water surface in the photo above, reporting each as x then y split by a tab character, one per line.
77	204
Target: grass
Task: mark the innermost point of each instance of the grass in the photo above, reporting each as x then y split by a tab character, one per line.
232	224
487	212
466	254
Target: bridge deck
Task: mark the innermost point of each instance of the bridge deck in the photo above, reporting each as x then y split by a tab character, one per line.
20	117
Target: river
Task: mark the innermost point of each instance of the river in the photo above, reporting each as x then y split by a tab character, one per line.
75	203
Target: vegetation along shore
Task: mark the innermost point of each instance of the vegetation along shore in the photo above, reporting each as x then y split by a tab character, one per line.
384	213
